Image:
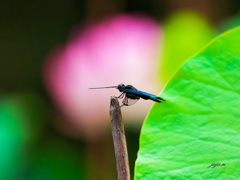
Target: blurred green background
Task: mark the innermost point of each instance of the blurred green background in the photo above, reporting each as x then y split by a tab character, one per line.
33	146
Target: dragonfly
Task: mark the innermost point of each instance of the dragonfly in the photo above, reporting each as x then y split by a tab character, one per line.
131	95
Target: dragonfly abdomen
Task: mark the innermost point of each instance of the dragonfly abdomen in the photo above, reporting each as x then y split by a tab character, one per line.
156	99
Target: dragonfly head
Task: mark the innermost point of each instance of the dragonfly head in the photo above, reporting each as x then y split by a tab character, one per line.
121	87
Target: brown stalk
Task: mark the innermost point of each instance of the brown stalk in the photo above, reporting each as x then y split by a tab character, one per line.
119	140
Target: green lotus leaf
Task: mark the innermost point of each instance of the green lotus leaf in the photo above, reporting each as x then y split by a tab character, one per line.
185	33
195	134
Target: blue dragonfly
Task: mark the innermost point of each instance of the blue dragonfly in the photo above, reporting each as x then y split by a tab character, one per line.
131	95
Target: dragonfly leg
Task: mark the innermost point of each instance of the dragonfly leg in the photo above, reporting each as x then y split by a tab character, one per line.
125	102
121	96
121	106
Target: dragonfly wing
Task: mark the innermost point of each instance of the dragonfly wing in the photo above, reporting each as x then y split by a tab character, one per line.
128	101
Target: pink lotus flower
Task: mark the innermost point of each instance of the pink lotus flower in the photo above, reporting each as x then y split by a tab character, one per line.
122	49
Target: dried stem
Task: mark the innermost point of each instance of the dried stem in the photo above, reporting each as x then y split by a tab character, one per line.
119	140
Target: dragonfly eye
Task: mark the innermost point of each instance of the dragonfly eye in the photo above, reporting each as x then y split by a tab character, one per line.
121	86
